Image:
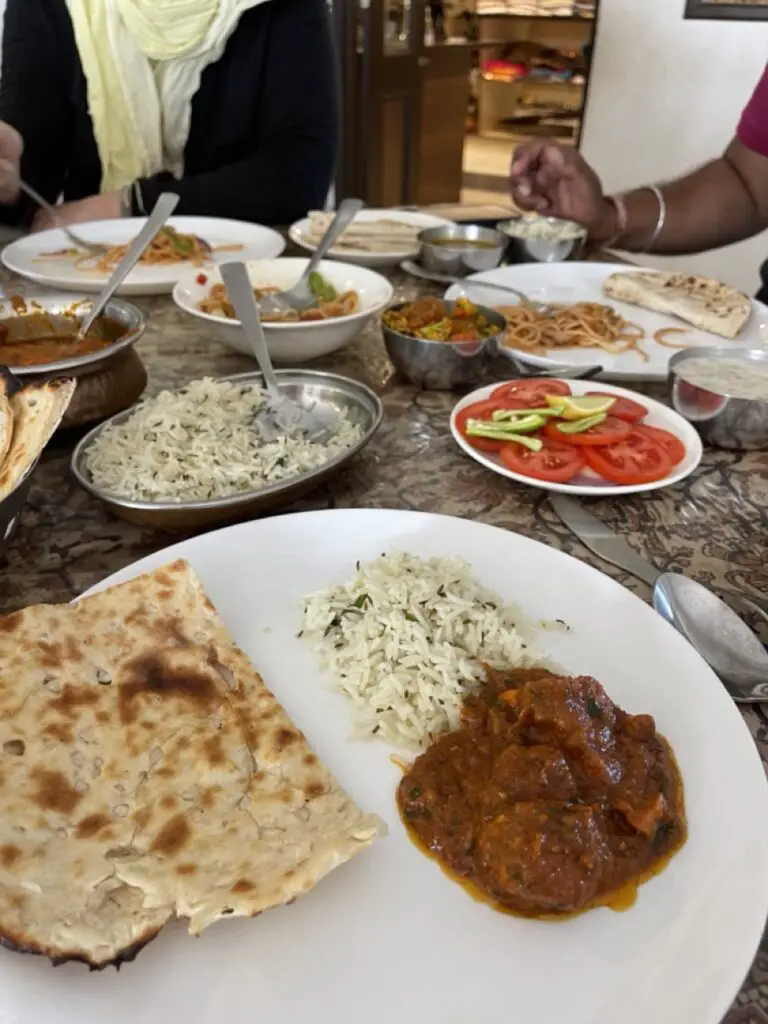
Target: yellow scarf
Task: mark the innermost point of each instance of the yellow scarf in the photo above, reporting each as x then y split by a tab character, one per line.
142	61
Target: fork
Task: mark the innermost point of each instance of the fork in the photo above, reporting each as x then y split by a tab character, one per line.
96	248
282	416
301	295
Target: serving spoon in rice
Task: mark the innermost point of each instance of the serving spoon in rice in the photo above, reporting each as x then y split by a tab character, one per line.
281	414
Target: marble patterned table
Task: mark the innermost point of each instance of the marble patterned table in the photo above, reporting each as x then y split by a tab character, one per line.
714	526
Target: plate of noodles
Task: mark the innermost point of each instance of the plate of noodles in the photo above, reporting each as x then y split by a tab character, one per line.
585	327
185	243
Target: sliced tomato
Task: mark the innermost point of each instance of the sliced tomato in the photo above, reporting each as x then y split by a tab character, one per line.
635	460
530	393
479	411
607	432
672	444
556	463
623	408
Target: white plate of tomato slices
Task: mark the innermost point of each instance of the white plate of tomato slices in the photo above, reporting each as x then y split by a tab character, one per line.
641	445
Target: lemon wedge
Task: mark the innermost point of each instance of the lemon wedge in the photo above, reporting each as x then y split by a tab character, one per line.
572	407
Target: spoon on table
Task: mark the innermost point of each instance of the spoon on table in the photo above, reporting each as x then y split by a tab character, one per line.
162	210
301	295
466	283
723	639
282	415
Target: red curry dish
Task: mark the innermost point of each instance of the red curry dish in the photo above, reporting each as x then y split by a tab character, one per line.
549	799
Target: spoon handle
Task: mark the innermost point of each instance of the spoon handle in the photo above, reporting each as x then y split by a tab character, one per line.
163	209
600	540
240	291
347	211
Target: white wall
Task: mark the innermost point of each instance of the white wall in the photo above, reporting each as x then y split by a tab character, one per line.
666	95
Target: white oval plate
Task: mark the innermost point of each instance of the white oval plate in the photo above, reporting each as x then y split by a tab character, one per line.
298	233
25	256
389	937
589	484
583	282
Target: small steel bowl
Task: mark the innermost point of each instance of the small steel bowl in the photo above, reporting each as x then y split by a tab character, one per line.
722	420
458	261
521	248
444	365
326	390
59	306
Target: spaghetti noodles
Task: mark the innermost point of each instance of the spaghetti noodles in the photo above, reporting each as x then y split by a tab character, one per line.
581	325
167	247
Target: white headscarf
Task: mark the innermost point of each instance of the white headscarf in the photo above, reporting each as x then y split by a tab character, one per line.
143	60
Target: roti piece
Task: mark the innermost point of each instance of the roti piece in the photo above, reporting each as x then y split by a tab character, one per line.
36	412
374	236
148	773
696	300
6	418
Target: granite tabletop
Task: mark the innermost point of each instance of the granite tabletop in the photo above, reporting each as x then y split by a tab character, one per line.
714	526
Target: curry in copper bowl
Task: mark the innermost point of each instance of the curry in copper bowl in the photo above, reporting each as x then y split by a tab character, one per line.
41	335
549	799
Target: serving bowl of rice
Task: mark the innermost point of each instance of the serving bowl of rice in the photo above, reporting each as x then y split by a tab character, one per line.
290	342
193	457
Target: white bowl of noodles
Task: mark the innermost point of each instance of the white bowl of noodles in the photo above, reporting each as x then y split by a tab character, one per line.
360	293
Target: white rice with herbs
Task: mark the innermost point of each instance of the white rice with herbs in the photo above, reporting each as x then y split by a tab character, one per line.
405	640
200	443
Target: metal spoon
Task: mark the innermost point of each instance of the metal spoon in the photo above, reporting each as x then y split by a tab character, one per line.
410	267
282	415
162	210
301	295
723	639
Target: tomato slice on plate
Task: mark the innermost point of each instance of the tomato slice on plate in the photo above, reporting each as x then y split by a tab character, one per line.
672	444
635	460
530	393
609	431
623	408
556	463
479	411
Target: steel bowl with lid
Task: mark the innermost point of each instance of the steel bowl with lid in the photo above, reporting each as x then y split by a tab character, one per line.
723	393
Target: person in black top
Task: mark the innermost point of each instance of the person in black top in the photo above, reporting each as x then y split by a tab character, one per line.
260	144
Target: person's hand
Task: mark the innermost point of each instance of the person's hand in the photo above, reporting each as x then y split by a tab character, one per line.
556	180
79	211
11	148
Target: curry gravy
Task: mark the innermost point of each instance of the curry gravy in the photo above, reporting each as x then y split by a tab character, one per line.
541	832
33	339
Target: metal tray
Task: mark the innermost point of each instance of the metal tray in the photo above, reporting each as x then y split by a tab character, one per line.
307	386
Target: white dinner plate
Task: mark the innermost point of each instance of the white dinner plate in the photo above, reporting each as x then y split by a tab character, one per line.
26	256
389	937
583	282
298	233
587	483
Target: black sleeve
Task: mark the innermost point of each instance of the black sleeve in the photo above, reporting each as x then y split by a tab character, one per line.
35	98
296	137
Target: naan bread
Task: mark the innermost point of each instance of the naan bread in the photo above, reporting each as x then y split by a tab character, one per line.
6	418
699	301
381	235
147	773
36	411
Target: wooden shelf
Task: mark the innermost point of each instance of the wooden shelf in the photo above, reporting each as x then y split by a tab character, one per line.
537	17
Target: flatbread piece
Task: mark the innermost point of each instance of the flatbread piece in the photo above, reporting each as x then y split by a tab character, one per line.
700	301
147	773
36	411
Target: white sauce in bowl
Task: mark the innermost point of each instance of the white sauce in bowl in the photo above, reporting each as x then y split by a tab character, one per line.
546	229
737	378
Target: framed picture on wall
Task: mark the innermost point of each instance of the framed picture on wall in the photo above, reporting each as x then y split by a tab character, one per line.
729	10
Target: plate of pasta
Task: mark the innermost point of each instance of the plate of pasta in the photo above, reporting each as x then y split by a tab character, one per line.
185	243
581	325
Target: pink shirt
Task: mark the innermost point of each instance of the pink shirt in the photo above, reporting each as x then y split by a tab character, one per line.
753	127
